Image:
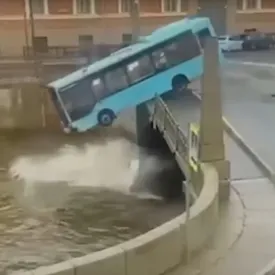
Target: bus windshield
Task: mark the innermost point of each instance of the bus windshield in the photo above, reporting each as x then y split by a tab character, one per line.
78	100
165	61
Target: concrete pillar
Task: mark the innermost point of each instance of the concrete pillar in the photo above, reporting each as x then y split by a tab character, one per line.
193	7
231	9
143	133
211	147
142	123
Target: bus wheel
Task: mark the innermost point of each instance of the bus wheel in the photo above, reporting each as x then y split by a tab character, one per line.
106	117
179	83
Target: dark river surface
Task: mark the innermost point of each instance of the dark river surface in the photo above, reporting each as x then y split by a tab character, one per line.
63	197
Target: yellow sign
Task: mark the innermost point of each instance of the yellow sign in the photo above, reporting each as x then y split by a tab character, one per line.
193	145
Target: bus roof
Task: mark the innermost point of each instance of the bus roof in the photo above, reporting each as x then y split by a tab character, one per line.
159	35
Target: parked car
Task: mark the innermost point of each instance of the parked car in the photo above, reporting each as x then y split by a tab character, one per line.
256	41
230	43
271	36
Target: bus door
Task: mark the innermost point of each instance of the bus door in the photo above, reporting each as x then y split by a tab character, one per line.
78	99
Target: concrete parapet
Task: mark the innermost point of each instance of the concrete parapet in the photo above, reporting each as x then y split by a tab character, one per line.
108	261
205	212
268	270
157	251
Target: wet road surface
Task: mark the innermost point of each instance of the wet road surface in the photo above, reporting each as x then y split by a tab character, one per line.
244	240
253	56
248	105
186	109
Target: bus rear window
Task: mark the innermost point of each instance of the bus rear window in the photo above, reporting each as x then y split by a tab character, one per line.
202	35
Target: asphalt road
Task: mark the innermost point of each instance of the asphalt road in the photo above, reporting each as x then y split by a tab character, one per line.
248	105
253	56
188	110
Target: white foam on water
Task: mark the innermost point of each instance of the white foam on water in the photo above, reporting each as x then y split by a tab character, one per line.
112	165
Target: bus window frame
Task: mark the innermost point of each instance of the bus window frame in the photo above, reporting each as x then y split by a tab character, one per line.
102	78
122	64
153	71
168	42
113	68
66	88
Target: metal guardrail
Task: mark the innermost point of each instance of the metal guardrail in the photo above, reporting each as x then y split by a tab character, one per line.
174	136
178	144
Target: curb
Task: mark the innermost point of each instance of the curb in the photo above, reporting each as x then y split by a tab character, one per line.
268	270
260	163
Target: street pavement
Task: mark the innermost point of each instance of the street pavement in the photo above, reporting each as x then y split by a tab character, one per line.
249	106
253	56
186	109
245	238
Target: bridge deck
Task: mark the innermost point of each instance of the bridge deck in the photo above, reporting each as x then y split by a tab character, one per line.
244	240
188	110
247	105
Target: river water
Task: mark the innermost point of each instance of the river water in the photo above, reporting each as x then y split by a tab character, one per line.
63	197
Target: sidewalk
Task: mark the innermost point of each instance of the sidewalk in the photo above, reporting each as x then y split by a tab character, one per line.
245	239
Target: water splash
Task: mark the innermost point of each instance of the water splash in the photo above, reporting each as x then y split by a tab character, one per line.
112	165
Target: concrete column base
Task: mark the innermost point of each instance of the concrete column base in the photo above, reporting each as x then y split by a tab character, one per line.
223	169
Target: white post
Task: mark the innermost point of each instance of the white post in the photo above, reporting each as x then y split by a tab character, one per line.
187	211
134	14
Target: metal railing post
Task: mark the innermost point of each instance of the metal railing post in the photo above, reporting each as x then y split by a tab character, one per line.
177	138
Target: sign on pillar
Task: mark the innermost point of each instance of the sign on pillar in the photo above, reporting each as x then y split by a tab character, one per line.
193	145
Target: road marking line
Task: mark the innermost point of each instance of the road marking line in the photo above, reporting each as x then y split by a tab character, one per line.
241	180
250	63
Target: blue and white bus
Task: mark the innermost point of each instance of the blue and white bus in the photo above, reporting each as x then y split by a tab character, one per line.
166	60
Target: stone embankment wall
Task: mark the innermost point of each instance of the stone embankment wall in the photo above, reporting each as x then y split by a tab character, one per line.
27	107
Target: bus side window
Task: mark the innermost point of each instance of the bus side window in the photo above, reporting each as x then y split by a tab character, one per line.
183	49
140	69
173	52
203	34
98	88
116	80
159	59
